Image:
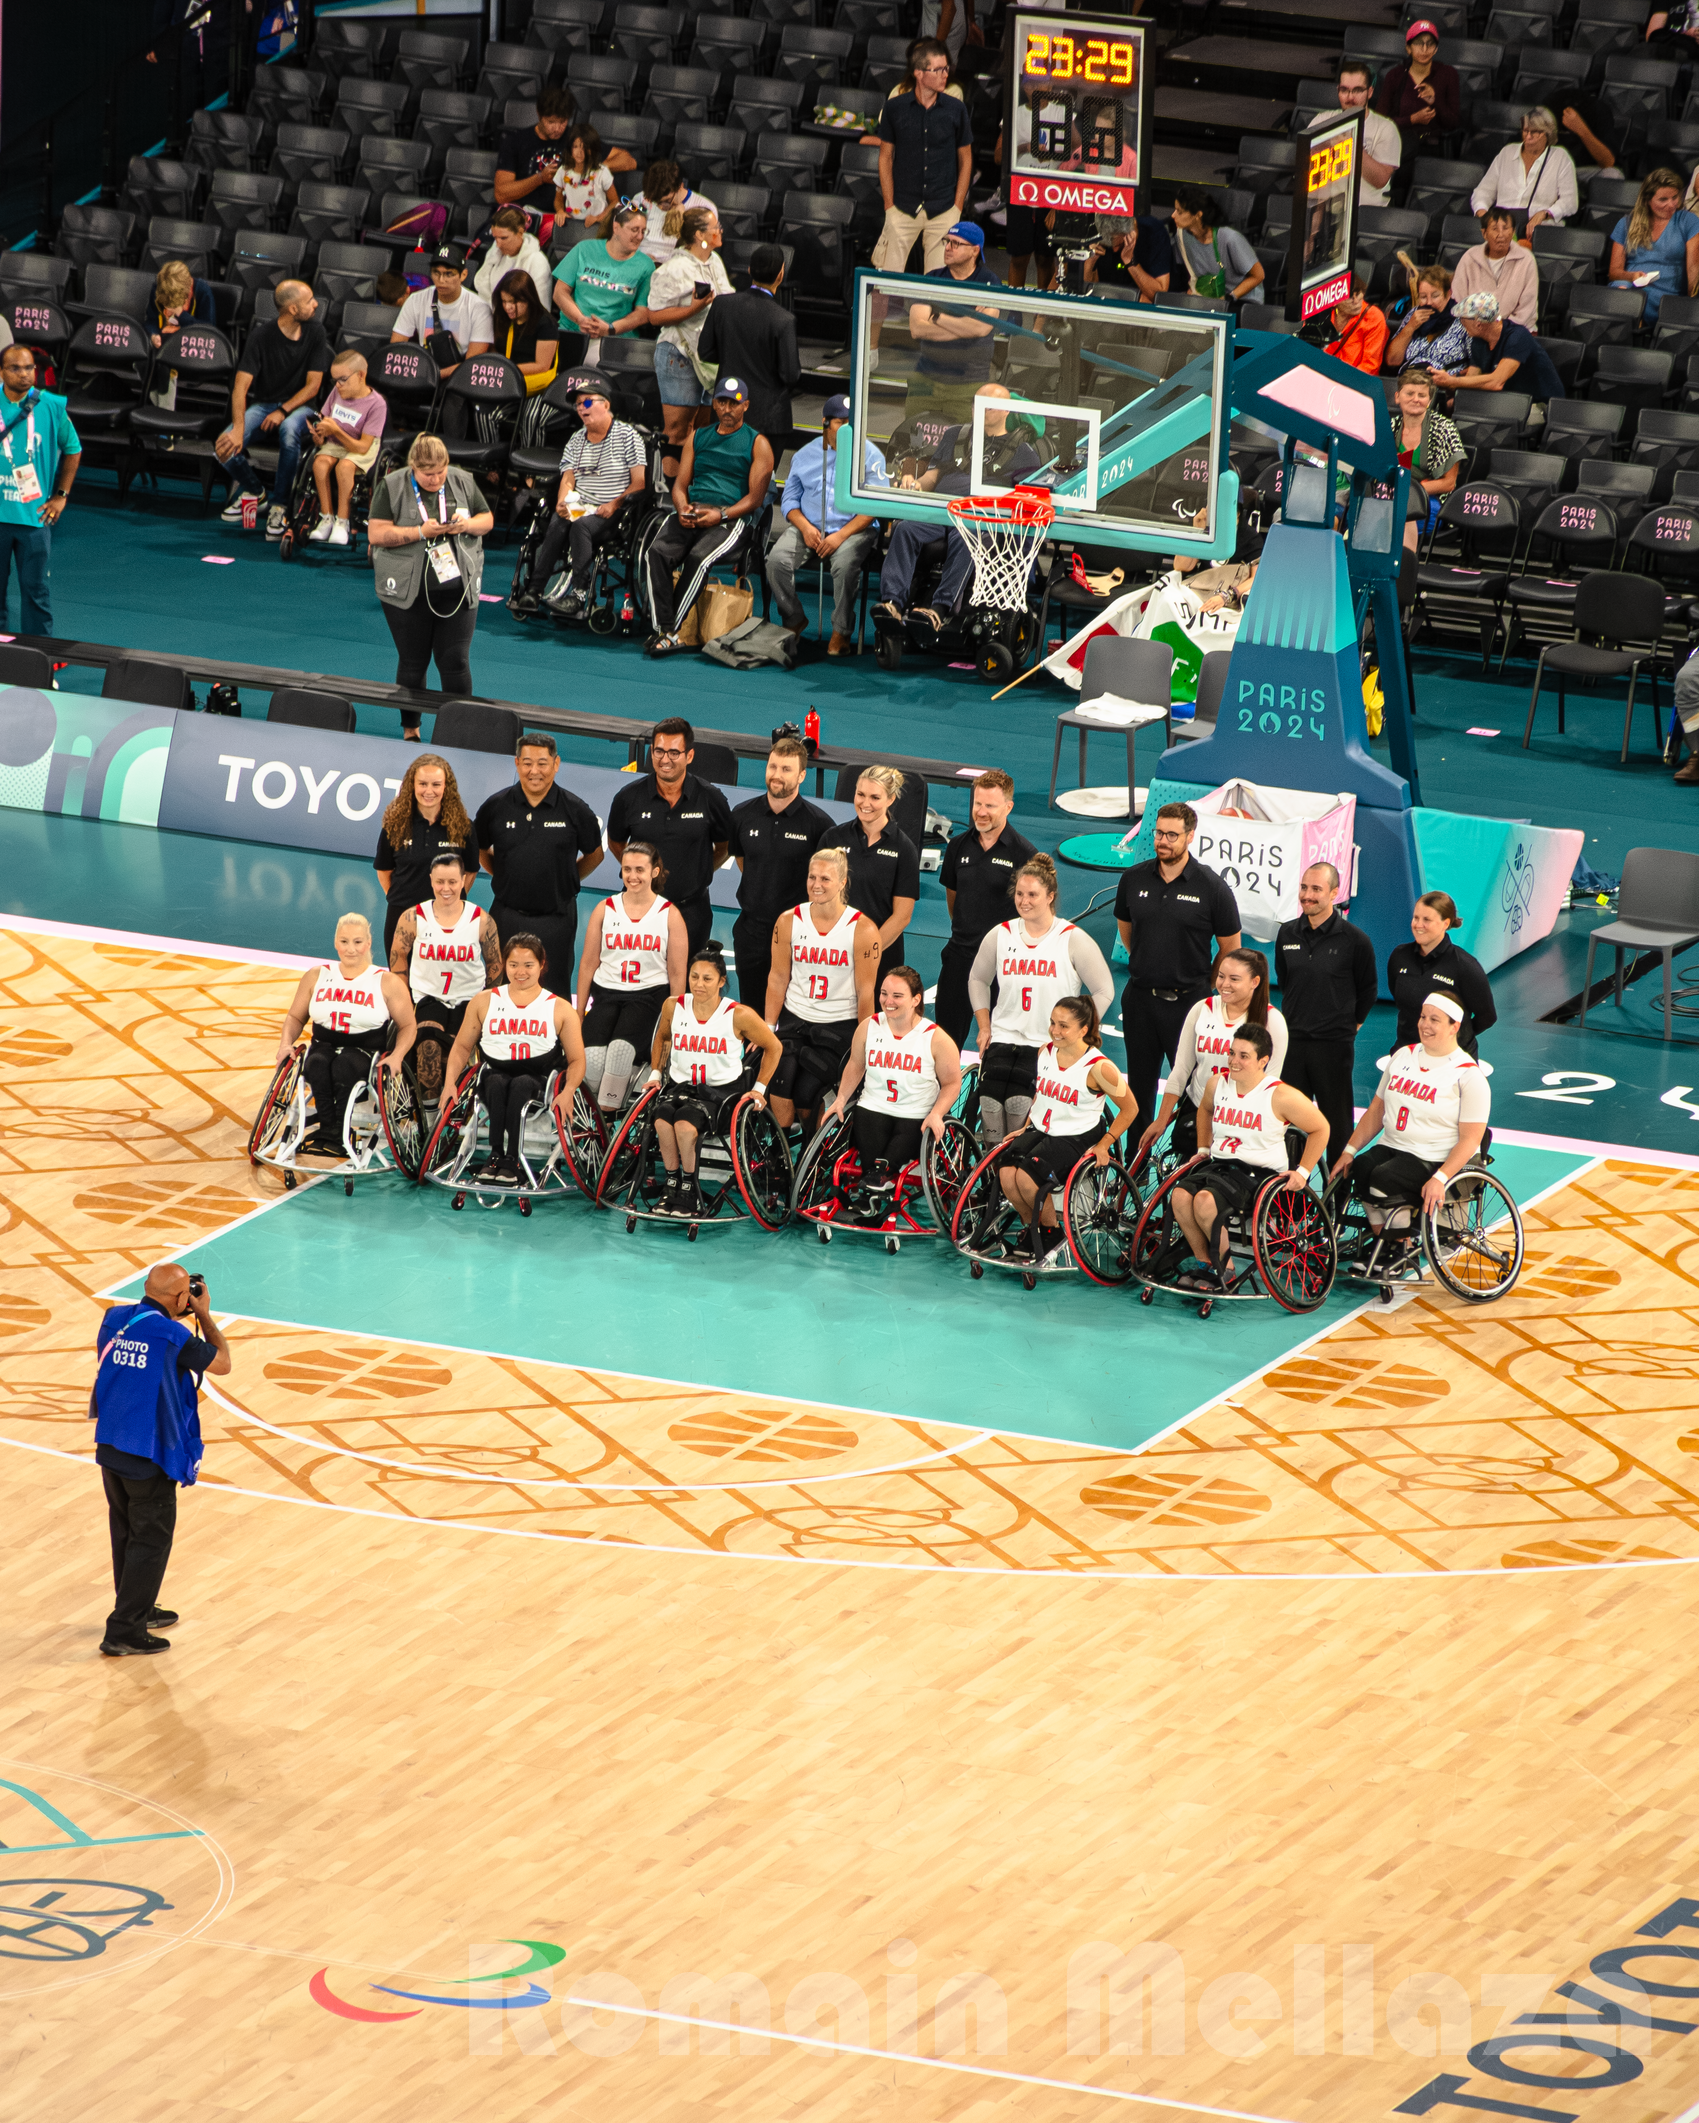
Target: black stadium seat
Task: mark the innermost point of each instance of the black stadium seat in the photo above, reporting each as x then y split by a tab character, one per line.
476	726
310	710
155	685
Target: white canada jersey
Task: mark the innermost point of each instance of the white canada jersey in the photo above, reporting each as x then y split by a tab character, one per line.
1032	979
343	1005
1426	1098
704	1051
902	1078
447	964
822	982
512	1033
1212	1035
634	949
1064	1104
1246	1128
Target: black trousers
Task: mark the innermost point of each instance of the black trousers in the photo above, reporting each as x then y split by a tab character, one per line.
579	539
698	916
951	1010
505	1099
693	553
420	635
558	935
1321	1069
142	1517
1151	1028
332	1072
752	952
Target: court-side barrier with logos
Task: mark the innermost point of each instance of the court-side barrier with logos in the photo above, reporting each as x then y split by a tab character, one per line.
238	779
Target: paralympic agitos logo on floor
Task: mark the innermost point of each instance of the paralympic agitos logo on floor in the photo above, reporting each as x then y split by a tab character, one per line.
483	1993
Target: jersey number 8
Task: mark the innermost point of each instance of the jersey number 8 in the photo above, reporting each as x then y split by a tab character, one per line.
1403	1120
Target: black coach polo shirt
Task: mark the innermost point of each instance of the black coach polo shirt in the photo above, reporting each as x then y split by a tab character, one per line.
880	871
686	833
535	850
1175	924
982	879
1328	977
410	864
775	847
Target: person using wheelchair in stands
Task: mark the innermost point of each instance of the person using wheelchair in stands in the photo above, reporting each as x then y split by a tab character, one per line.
701	1071
521	1033
353	1007
447	950
1431	1110
719	493
349	434
602	471
1242	1126
1010	458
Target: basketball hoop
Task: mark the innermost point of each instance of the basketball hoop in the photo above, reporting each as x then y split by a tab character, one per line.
1003	533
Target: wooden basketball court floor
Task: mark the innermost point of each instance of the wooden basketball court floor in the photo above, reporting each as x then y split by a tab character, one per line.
549	1741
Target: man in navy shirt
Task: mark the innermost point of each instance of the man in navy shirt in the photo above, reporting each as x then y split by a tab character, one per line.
147	1440
1135	255
953	342
925	159
1502	356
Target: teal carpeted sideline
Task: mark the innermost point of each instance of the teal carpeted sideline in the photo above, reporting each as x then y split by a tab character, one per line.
753	1312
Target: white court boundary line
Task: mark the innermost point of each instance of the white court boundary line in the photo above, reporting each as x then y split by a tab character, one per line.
565	1481
137	940
850	1562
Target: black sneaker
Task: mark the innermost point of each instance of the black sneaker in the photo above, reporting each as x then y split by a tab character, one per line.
524	604
671	1194
162	1618
125	1648
690	1197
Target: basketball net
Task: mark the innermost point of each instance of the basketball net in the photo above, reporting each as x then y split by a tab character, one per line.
1003	532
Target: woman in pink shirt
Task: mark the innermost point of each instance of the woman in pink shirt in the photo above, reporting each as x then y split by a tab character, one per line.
348	431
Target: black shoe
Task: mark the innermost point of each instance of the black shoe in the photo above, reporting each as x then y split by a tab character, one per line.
503	1170
119	1648
690	1197
524	604
666	645
569	608
1045	1240
162	1618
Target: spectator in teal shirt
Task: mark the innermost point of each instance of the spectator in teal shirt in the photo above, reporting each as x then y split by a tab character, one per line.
39	456
602	288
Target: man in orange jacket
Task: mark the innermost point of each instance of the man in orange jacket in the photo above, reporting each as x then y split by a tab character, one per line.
1360	331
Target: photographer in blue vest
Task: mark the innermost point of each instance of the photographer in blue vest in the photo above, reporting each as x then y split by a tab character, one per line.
147	1440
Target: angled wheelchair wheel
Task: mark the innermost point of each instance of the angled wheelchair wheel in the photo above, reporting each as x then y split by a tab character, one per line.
272	1122
403	1120
944	1167
455	1115
966	1105
814	1191
628	1153
1474	1240
1157	1237
1100	1213
761	1163
981	1208
1293	1245
583	1141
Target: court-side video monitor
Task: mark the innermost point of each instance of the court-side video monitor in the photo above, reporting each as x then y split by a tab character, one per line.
1075	129
1324	216
1116	409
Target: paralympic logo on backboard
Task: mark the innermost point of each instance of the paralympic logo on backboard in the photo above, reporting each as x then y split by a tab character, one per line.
471	1993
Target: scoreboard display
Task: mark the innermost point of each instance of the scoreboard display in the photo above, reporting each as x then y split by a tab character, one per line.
1076	123
1324	216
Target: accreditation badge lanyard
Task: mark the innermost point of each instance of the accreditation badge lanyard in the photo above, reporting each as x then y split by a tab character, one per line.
441	553
23	481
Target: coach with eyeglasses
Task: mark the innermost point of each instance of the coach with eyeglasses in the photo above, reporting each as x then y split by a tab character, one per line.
684	817
147	1440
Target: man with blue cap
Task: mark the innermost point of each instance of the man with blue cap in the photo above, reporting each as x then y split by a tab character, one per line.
147	1440
953	342
813	523
718	495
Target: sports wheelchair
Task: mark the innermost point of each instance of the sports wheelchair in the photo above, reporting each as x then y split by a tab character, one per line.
556	1154
1095	1207
1472	1243
832	1192
382	1124
1285	1242
743	1172
297	543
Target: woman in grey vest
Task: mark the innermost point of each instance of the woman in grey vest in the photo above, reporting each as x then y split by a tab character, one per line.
427	529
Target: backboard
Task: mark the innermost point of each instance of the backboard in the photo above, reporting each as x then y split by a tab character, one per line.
1076	123
1324	216
1118	409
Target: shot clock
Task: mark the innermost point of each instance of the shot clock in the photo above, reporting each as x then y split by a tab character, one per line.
1324	216
1076	121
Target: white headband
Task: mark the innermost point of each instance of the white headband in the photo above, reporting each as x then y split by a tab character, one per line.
1453	1010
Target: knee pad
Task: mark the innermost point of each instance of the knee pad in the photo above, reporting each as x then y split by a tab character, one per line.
992	1113
1017	1109
595	1061
620	1058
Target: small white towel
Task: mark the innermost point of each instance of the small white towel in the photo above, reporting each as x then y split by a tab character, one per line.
1109	707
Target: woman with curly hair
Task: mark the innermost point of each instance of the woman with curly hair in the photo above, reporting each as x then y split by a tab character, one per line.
427	819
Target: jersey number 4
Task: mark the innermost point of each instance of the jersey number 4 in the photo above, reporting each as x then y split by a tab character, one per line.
819	987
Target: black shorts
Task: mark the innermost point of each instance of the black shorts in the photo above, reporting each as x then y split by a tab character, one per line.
1025	233
1233	1183
630	1014
1384	1175
1007	1072
813	1059
1048	1158
1183	1141
707	1108
438	1020
889	1139
540	1066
